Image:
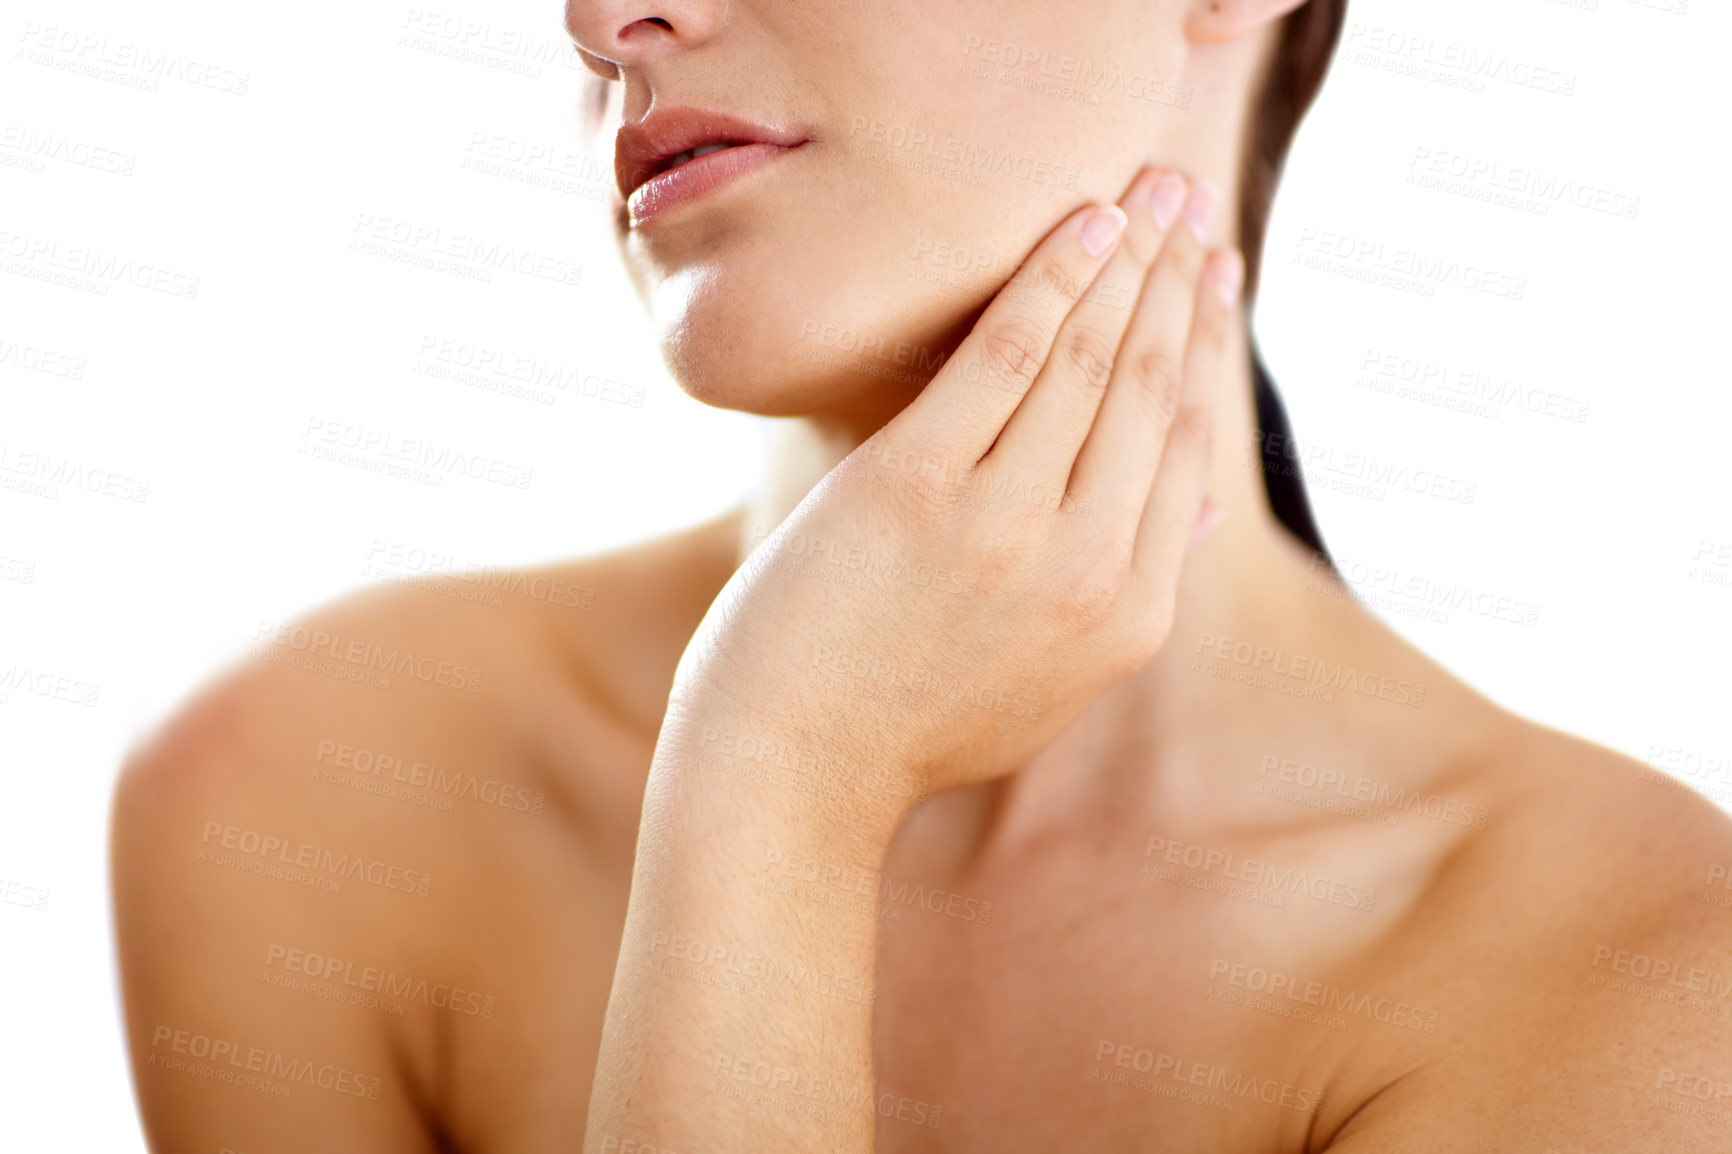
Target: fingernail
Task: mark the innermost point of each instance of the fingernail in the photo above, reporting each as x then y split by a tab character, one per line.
1103	229
1208	517
1168	199
1200	209
1229	277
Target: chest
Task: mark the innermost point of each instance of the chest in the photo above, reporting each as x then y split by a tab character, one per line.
1078	1001
1097	1007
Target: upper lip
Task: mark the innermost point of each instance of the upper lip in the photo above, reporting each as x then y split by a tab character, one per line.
641	150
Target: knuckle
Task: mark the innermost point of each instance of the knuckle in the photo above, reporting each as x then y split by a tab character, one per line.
1012	354
1051	275
1184	256
1158	376
1196	424
912	485
1143	250
1096	587
1090	354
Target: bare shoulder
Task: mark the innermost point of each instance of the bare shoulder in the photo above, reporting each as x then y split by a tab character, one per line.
1587	939
325	861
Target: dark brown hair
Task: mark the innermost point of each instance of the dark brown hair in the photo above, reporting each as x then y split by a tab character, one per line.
1302	54
1307	43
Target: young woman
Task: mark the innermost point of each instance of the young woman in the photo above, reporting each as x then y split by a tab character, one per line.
1011	774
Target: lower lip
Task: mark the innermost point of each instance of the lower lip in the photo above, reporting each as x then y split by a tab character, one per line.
697	178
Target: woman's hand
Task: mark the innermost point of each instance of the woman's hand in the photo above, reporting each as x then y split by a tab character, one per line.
938	607
968	580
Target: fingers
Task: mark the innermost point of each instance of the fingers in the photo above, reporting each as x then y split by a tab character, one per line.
1045	432
1170	513
1117	463
970	398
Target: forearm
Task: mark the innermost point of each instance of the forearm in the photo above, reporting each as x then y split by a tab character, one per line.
741	1016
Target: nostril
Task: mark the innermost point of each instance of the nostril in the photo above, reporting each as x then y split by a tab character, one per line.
658	21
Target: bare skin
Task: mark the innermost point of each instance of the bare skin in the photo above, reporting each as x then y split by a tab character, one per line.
1159	926
1493	938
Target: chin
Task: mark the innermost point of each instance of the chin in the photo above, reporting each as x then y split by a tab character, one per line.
837	313
845	328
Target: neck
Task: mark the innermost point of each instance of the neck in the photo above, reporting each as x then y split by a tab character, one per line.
1268	659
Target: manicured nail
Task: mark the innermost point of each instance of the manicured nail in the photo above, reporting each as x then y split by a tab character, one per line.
1229	277
1168	199
1103	229
1200	209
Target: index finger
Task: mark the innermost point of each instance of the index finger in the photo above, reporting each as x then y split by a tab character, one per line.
972	396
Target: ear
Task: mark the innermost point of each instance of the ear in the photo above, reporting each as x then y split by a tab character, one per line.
1218	21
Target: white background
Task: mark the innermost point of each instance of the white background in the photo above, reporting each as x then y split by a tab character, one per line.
257	194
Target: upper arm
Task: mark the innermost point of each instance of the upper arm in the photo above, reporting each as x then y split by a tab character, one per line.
223	1055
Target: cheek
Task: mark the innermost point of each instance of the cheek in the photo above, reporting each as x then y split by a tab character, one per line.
948	153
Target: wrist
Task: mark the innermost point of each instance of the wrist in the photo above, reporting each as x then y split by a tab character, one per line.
776	767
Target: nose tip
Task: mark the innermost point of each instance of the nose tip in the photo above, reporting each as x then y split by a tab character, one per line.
634	31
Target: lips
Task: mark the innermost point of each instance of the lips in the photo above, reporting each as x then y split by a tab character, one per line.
678	153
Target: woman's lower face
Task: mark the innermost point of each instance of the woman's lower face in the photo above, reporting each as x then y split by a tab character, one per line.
943	141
